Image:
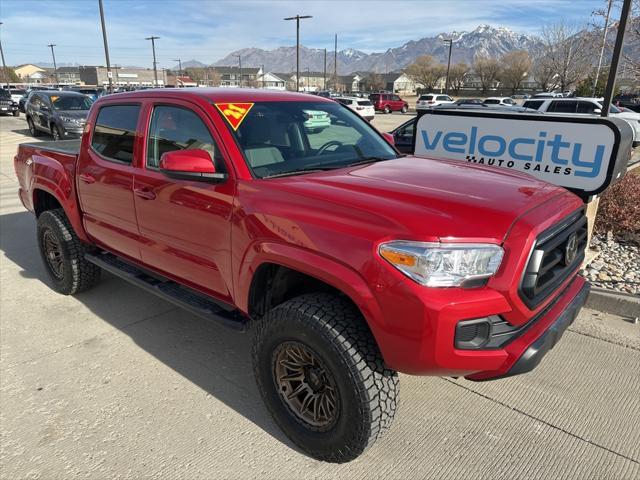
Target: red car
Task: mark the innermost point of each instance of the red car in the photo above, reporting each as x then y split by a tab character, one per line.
388	102
349	262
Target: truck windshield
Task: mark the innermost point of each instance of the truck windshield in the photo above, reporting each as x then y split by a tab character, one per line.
289	138
71	102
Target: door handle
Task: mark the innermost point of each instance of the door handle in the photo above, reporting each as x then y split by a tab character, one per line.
145	193
86	178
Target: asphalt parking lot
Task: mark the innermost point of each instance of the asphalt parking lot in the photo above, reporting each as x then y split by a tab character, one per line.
115	383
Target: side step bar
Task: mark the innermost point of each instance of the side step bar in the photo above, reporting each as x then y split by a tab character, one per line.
185	297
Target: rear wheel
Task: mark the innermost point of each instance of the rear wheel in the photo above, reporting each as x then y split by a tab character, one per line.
56	133
404	109
387	109
33	131
63	254
322	377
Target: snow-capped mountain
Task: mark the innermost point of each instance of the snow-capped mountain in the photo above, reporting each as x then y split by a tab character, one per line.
484	40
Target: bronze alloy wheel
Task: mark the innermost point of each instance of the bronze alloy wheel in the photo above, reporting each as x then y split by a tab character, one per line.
306	386
53	253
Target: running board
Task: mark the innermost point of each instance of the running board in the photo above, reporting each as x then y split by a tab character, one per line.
184	297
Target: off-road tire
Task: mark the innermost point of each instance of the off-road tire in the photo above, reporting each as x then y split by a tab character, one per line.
77	274
32	128
334	329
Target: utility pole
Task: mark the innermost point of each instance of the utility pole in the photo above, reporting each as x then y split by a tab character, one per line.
308	80
155	65
615	58
4	65
335	62
179	66
324	79
297	19
106	47
55	68
604	43
240	68
262	68
446	88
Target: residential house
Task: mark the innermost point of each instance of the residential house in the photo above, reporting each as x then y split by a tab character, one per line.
30	73
272	81
236	77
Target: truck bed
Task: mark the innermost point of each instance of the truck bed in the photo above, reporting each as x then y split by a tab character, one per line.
69	147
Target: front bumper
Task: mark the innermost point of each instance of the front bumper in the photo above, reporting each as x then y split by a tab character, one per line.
533	355
71	132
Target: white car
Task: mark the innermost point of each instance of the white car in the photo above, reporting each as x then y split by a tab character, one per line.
429	100
505	101
361	106
17	94
584	106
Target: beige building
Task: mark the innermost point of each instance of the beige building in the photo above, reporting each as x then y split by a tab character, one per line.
29	73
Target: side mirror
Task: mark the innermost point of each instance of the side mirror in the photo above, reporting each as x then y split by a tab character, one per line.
597	110
194	165
389	138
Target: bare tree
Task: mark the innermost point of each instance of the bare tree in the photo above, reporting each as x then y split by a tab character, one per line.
544	74
515	67
426	71
457	76
374	82
567	53
488	71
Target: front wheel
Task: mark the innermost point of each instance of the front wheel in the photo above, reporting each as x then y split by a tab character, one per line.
322	377
404	109
16	113
56	133
33	131
62	253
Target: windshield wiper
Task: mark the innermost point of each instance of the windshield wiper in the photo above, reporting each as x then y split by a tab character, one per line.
302	170
364	161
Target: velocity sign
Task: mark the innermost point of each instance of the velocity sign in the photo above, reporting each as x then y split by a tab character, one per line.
576	153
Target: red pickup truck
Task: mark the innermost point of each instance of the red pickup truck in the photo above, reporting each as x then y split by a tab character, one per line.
349	261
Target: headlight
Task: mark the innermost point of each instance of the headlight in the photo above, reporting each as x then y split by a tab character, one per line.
443	264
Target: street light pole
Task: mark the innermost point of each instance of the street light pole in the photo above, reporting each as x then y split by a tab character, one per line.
324	77
615	58
446	88
55	68
179	66
239	67
308	80
297	19
4	65
155	67
106	47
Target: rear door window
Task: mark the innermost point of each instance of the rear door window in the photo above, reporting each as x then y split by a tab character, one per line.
586	107
563	106
115	131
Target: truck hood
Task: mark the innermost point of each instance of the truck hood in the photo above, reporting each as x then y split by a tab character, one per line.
421	199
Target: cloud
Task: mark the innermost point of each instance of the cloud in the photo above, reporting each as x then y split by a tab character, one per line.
208	30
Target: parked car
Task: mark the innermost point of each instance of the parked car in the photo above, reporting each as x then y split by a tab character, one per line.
547	95
520	96
362	107
584	106
348	261
505	101
7	105
58	113
17	94
92	93
468	101
317	120
388	102
403	135
429	100
627	102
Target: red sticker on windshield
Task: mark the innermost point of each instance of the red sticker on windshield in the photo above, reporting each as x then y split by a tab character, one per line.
234	112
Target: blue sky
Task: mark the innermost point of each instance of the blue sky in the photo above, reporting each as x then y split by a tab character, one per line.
207	30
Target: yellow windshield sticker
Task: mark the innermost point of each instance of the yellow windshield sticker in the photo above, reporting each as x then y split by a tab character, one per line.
234	112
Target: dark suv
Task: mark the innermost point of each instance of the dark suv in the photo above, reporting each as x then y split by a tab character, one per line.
388	102
61	114
7	105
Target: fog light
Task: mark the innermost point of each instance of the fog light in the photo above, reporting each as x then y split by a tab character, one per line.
473	334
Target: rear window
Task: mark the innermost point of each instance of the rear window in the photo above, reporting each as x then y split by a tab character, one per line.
533	104
364	103
18	92
426	97
344	101
374	97
492	101
443	97
115	131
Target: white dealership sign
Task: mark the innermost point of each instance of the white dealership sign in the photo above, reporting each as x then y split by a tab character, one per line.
570	152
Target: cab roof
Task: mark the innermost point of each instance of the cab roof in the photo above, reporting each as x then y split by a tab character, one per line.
215	95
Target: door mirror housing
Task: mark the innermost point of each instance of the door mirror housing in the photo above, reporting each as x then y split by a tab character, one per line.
597	110
389	138
195	165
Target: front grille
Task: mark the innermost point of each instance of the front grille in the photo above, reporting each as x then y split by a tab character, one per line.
558	252
6	103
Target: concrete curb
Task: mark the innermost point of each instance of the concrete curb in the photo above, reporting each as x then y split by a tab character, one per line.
621	304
